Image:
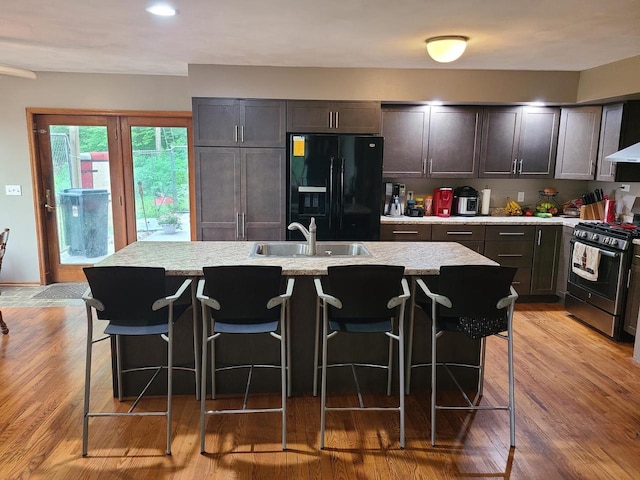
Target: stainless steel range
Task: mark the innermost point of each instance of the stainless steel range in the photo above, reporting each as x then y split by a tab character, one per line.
600	300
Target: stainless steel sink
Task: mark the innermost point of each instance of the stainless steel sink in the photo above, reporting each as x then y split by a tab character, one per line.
341	249
299	250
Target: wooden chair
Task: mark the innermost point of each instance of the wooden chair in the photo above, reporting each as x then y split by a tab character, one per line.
4	236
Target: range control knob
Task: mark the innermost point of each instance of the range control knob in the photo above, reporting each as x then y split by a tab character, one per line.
595	237
613	242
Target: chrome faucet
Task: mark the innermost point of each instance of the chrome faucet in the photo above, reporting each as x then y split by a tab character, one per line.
309	235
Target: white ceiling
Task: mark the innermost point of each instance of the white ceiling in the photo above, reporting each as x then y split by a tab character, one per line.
119	36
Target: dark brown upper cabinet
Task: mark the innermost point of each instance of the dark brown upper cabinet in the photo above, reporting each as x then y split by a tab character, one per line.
224	122
435	142
620	128
454	142
519	142
406	131
578	143
315	116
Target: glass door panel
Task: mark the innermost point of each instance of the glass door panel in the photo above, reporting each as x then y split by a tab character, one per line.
81	192
160	158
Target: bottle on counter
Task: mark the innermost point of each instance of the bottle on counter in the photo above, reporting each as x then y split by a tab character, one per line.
428	205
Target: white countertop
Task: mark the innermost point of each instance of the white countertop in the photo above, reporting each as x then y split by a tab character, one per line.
188	258
481	220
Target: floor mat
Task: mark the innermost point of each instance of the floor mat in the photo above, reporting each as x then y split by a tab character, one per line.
62	290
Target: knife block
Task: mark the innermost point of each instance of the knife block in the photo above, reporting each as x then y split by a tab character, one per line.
593	211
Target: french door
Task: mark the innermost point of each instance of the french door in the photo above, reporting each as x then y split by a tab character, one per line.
107	180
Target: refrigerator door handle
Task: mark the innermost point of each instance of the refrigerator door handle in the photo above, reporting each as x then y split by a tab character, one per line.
341	194
331	194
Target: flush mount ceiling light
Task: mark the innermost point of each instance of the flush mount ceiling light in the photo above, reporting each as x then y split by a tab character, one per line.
162	10
447	48
17	72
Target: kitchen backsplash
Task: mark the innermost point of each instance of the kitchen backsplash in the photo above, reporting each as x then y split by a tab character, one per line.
501	189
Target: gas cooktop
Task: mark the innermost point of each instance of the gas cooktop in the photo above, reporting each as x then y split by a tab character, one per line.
616	235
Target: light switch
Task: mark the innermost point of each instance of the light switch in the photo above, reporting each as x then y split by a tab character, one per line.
521	196
13	190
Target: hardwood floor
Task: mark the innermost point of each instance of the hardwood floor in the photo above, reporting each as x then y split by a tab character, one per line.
577	401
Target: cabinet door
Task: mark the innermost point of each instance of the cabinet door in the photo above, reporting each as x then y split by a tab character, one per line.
578	143
263	123
633	300
538	142
263	187
216	122
356	117
454	142
610	128
218	200
405	131
500	136
333	117
544	271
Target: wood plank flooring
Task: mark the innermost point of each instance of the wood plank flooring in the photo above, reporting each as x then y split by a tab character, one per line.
577	400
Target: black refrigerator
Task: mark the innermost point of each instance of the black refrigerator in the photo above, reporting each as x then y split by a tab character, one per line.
338	180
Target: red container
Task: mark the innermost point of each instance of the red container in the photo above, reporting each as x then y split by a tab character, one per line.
442	201
609	211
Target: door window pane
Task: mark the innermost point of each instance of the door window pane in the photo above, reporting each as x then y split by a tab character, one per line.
82	193
160	172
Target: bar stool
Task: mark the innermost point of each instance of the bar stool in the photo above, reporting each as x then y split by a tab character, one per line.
477	300
239	300
134	302
362	299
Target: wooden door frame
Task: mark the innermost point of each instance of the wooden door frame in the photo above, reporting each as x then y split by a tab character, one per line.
44	262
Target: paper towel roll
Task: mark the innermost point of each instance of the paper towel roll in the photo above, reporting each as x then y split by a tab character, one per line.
486	198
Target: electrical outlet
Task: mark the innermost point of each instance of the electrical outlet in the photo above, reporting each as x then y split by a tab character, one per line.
12	190
521	196
624	187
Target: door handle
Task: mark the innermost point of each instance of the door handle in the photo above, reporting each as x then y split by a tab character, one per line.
520	171
337	120
515	165
47	204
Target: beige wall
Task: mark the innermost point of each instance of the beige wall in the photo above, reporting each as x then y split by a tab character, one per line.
391	85
613	81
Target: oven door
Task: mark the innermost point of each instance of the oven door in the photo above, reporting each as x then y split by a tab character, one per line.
607	292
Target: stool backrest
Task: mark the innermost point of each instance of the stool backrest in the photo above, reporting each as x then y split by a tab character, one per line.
243	292
364	290
128	294
474	290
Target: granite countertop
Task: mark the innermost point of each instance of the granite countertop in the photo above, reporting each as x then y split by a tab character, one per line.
188	258
482	220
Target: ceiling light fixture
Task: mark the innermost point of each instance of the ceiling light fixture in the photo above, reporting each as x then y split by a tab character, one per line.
17	72
447	48
162	10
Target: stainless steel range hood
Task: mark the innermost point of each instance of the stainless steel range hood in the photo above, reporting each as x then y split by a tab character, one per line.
626	155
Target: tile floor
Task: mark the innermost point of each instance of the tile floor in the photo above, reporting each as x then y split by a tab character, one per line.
23	297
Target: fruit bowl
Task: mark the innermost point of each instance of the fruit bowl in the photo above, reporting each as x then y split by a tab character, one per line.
547	204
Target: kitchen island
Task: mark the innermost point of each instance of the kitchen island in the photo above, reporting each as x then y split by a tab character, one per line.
186	259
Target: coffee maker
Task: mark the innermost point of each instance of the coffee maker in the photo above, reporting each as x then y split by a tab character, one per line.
442	201
394	199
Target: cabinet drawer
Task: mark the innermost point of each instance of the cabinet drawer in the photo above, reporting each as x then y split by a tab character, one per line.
457	233
511	254
511	233
476	246
405	233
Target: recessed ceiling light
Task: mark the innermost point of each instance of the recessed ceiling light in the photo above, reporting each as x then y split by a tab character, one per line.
162	9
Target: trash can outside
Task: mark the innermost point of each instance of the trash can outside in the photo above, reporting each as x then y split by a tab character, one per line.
86	221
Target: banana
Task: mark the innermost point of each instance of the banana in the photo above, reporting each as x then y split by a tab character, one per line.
513	208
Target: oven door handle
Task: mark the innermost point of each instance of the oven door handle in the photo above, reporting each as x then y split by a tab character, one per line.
605	253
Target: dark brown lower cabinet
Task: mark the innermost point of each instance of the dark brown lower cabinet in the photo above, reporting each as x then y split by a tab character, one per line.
240	193
546	251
